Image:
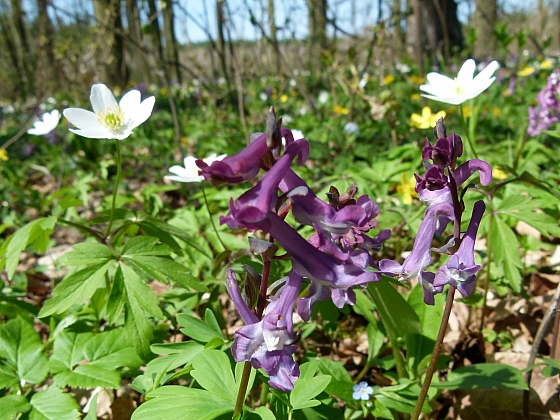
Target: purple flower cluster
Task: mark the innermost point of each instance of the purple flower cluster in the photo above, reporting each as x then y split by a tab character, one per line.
438	188
547	112
335	259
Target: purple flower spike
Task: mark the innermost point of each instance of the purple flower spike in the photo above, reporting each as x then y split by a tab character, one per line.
460	270
427	281
267	343
251	209
420	256
243	166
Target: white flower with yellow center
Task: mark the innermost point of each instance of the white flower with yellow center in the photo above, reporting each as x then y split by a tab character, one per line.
189	172
462	88
110	120
45	123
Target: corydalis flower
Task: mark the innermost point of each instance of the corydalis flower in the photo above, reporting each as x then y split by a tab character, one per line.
460	270
547	112
189	172
45	123
462	88
110	120
267	343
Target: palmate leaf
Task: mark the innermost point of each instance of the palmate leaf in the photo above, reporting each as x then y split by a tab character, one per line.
212	370
12	405
87	253
483	376
180	403
53	404
523	208
21	349
86	360
76	288
38	232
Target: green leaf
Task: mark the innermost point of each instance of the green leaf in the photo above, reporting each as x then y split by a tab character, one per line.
162	269
112	350
395	312
88	376
140	292
87	253
76	288
197	329
25	236
306	389
53	404
483	375
180	403
145	245
22	350
68	350
506	252
341	382
8	377
212	370
117	297
12	405
91	414
523	208
137	327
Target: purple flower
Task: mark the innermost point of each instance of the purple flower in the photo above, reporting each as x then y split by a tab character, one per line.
547	112
460	270
420	256
267	343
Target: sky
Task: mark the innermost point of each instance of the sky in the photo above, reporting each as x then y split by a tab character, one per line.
291	15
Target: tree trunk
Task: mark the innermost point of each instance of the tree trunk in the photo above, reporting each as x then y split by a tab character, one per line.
110	57
138	58
273	38
485	17
46	76
434	29
397	24
171	47
220	22
317	38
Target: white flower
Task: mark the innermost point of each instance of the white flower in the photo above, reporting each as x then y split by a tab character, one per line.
263	96
109	120
463	87
351	128
189	172
45	123
362	391
323	97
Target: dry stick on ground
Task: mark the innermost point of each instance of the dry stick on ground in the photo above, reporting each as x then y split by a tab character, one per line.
541	332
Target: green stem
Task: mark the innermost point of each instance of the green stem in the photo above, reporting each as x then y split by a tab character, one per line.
242	389
117	180
435	355
399	361
264	393
362	372
464	123
210	215
488	265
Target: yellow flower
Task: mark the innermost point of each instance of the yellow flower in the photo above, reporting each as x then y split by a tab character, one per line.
527	71
341	110
497	173
497	112
387	80
184	140
467	111
3	155
546	64
417	79
415	96
284	98
406	189
427	119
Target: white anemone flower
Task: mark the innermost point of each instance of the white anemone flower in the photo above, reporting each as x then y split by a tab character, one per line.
189	172
46	123
464	87
110	120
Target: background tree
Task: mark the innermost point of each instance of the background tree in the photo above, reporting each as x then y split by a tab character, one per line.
171	46
110	48
317	26
485	18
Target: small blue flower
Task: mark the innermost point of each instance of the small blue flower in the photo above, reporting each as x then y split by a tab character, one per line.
362	391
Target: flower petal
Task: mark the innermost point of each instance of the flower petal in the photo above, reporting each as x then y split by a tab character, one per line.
83	119
143	111
102	98
465	75
101	133
130	102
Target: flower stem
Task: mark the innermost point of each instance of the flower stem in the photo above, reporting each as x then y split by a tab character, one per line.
210	215
117	180
465	128
435	354
488	265
242	389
